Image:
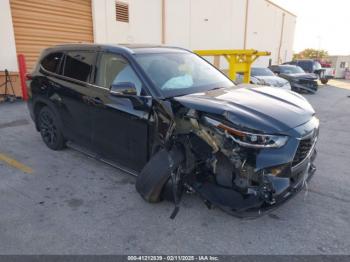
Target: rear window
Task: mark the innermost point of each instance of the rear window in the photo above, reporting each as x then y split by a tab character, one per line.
79	65
306	65
291	70
51	62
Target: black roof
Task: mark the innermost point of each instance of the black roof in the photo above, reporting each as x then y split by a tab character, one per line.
312	60
129	48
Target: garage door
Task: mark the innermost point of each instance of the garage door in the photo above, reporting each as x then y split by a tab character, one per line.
39	24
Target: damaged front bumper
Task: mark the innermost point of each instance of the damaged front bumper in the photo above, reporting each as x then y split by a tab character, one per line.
260	200
308	86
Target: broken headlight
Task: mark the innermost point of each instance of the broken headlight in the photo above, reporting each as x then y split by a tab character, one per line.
248	139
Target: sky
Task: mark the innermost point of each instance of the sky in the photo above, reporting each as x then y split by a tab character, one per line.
323	24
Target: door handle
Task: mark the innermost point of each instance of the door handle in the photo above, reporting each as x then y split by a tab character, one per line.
96	101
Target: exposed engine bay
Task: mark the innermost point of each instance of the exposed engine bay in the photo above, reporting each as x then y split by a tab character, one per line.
203	153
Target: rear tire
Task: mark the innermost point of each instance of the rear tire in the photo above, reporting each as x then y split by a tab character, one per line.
324	81
49	129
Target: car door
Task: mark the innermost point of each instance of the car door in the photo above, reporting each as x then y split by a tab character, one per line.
120	132
73	92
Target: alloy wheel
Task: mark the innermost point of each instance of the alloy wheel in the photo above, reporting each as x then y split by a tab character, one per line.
48	128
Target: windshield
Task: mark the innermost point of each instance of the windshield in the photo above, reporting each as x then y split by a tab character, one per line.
259	71
181	73
291	69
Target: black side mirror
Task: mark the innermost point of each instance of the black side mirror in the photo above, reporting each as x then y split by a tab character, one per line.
128	90
123	89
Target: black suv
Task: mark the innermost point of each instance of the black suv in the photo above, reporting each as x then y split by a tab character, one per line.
172	119
300	81
312	66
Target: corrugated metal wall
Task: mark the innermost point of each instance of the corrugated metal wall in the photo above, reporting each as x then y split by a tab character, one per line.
39	24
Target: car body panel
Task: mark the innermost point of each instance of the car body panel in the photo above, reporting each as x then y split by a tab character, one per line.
264	76
273	81
120	132
308	76
253	108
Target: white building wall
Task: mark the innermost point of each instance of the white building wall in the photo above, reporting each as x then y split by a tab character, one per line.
178	21
205	24
288	38
216	24
200	24
144	22
193	24
8	58
264	31
336	64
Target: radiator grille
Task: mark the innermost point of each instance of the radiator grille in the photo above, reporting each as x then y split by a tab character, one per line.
303	150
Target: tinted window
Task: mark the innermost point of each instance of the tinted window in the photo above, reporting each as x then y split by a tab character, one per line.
79	65
274	68
291	69
306	65
259	71
51	62
114	69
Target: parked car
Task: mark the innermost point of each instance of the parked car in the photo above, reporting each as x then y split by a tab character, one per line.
298	79
169	117
313	66
264	76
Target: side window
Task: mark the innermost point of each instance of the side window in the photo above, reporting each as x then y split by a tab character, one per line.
274	69
51	62
115	69
79	65
280	70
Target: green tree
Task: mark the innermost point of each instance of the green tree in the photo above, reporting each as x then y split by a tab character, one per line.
310	53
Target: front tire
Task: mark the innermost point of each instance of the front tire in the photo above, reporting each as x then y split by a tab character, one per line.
49	129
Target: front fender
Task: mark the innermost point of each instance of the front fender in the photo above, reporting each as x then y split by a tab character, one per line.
37	103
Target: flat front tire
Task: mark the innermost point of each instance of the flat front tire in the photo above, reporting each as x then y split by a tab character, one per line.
156	173
49	129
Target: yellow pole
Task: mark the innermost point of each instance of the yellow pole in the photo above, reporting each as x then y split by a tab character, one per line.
239	61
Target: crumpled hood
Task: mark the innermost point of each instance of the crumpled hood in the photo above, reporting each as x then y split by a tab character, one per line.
272	80
264	109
